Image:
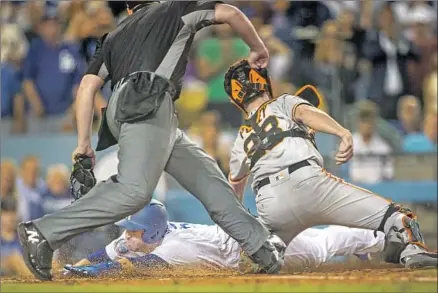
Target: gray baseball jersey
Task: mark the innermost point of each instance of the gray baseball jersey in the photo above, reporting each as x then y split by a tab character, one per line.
277	113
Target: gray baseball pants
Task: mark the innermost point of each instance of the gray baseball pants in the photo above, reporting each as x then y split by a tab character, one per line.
311	197
146	149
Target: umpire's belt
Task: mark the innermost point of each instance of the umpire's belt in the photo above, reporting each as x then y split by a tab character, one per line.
292	168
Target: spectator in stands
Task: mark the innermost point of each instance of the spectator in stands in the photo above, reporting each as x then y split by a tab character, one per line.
328	60
12	263
31	13
7	180
206	132
89	20
354	20
281	23
280	87
405	9
430	126
57	195
23	14
389	53
52	72
193	100
422	22
372	160
13	49
30	187
214	56
307	18
335	61
430	87
425	142
409	115
280	54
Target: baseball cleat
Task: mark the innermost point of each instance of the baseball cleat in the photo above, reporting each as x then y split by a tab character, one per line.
270	257
37	253
364	256
421	261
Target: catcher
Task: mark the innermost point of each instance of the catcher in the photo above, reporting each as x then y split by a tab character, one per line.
293	191
150	241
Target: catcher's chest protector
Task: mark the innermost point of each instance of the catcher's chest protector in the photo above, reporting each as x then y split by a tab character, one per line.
263	140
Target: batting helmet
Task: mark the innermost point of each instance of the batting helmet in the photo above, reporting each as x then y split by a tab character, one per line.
243	83
152	219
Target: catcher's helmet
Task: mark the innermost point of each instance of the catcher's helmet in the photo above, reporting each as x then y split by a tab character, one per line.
243	83
152	219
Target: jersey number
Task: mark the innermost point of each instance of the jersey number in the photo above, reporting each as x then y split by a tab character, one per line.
268	127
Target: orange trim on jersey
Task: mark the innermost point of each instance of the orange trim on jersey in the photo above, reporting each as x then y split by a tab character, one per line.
295	108
245	127
340	180
314	89
263	107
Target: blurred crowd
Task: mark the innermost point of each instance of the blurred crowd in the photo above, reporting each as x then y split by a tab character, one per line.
374	62
27	194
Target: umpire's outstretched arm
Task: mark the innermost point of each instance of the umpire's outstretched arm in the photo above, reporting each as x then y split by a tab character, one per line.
231	15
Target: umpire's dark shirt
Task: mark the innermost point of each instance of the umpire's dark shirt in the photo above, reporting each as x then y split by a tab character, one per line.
156	38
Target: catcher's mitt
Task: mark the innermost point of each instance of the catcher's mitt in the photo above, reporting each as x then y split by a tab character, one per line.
82	177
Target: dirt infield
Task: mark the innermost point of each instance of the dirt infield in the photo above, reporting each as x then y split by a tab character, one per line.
327	279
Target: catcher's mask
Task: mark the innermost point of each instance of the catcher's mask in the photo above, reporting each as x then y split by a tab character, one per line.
243	83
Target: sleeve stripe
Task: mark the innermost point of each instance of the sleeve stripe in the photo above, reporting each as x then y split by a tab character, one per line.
103	71
295	107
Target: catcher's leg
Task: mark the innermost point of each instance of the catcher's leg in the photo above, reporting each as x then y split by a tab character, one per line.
342	203
200	175
404	240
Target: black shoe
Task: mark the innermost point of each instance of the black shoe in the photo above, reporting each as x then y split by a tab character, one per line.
421	261
270	257
36	251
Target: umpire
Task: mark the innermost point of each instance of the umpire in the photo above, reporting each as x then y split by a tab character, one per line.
145	59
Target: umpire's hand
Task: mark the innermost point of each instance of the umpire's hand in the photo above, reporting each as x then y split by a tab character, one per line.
259	59
85	151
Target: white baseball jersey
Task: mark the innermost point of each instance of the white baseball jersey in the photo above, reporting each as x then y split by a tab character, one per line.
189	244
186	243
275	114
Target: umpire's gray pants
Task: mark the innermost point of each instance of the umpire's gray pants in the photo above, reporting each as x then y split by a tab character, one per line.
146	149
310	196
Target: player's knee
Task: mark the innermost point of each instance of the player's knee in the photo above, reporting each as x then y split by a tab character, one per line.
401	228
392	211
136	192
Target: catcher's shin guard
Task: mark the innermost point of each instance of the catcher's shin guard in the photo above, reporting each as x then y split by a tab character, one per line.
402	229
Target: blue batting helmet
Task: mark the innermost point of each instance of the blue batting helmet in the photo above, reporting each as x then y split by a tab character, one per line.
152	219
